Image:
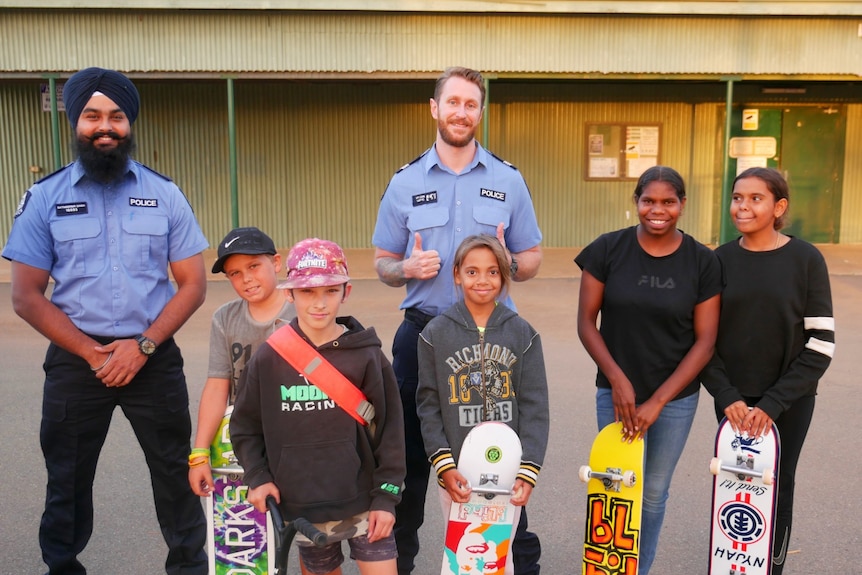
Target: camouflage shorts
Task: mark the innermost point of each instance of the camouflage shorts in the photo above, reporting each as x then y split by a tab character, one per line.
339	530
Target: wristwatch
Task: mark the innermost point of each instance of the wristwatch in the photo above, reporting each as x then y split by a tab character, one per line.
146	345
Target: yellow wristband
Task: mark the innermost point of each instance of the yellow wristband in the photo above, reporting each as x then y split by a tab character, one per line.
198	451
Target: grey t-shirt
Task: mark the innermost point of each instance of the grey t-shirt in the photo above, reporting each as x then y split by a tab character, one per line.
235	335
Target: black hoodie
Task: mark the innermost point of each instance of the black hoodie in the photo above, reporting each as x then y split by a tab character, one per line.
326	466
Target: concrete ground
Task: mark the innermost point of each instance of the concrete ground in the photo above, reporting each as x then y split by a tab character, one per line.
127	537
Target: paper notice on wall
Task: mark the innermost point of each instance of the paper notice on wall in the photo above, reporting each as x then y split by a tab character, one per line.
745	162
750	119
604	168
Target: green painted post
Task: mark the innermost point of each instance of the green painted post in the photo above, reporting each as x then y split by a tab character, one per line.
234	182
723	231
55	122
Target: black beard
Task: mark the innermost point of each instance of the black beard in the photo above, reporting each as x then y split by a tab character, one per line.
104	166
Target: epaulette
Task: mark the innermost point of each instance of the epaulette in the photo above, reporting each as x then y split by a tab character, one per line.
413	161
152	171
54	173
501	159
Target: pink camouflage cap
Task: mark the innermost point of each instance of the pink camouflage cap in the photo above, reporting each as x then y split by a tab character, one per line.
315	263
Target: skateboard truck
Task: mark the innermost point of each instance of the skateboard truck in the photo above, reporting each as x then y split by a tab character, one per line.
232	467
613	479
489	486
767	476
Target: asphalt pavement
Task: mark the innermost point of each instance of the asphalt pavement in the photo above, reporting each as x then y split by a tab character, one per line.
127	539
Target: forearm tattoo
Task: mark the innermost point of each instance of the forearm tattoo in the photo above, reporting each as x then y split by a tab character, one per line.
391	271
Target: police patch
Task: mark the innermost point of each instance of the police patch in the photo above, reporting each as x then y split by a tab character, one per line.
493	194
144	202
426	198
23	203
71	209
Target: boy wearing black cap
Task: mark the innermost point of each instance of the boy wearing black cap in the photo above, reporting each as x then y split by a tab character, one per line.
248	258
111	233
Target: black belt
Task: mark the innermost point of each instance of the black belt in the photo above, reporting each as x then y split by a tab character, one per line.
416	317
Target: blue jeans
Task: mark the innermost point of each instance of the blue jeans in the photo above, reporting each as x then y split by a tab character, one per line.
665	441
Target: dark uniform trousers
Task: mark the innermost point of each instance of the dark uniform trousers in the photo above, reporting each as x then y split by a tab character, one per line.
76	414
410	512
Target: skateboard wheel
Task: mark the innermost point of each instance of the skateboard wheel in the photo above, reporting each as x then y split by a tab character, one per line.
629	478
584	473
768	476
715	466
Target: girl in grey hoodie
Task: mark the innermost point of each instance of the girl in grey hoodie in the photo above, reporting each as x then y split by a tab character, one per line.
480	361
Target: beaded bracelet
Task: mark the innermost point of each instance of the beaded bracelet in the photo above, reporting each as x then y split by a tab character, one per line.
95	369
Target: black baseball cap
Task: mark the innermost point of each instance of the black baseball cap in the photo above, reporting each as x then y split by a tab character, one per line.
248	241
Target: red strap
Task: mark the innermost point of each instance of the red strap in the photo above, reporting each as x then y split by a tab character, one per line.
316	369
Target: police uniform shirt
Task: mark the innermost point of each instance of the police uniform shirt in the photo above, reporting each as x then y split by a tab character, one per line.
427	197
107	246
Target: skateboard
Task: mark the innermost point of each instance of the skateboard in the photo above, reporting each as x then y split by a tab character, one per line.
239	538
744	493
614	481
478	533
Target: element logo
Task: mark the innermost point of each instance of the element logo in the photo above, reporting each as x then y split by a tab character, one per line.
741	523
493	454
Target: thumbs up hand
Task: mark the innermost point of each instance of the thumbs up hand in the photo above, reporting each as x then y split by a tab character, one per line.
422	264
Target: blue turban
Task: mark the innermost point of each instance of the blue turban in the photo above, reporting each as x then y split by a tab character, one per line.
81	86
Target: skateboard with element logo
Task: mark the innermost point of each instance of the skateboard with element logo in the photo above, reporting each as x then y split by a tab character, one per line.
744	494
614	481
239	538
479	532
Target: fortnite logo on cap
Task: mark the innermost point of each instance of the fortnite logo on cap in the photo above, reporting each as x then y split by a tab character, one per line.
311	259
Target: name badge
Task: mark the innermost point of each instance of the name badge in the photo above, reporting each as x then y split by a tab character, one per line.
493	194
144	202
426	198
72	209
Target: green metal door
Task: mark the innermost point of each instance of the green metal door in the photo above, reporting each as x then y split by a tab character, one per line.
812	159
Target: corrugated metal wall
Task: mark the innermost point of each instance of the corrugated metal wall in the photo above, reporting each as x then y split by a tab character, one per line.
545	136
314	157
26	142
297	42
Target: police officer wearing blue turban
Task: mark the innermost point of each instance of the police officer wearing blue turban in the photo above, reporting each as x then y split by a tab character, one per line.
108	230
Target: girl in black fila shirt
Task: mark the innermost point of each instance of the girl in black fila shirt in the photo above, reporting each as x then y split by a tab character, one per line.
776	333
657	290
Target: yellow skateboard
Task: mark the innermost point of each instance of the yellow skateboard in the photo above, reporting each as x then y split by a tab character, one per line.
614	481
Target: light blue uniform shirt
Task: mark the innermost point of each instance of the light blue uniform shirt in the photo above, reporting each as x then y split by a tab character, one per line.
444	207
106	246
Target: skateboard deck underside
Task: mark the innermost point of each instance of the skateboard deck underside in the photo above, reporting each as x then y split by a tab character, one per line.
742	506
239	538
613	521
478	532
477	536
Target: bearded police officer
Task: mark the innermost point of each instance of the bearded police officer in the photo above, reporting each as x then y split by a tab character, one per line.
452	191
107	229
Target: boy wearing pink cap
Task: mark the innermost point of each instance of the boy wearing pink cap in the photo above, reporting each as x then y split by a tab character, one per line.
300	446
